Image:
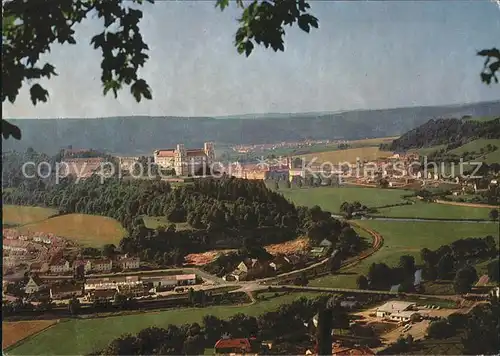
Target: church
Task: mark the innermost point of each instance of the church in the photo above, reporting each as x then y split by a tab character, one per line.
185	161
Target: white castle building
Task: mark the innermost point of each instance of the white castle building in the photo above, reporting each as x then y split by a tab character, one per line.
185	162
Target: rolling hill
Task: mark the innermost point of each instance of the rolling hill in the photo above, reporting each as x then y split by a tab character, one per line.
142	134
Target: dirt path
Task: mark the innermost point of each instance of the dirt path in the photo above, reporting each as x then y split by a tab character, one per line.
377	243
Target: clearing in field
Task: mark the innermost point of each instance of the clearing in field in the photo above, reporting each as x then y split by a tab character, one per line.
330	198
87	230
16	331
82	336
19	215
405	238
337	157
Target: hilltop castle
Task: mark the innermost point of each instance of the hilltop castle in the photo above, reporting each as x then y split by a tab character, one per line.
185	161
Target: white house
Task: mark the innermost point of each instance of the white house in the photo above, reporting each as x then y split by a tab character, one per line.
34	285
60	267
129	263
42	239
394	307
403	316
102	265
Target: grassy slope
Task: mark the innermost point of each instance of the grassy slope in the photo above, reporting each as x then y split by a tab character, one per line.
88	230
337	157
20	215
84	336
406	238
434	211
330	198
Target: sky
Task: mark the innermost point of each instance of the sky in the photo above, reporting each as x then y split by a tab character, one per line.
365	55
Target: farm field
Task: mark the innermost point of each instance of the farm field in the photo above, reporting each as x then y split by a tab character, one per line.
475	146
405	238
330	198
434	210
88	230
371	141
84	336
21	215
337	157
15	331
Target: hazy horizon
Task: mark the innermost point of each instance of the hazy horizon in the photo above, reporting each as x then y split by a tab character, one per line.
364	56
229	116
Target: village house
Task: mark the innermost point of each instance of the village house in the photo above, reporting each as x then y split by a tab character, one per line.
161	283
242	346
17	246
34	285
135	290
111	282
61	266
42	239
394	307
101	295
87	265
252	268
39	267
280	263
185	279
129	263
66	291
235	276
102	265
403	316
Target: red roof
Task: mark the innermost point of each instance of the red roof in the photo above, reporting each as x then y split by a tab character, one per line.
165	153
233	343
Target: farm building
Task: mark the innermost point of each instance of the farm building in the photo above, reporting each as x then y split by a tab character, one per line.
101	295
394	307
111	282
66	291
403	316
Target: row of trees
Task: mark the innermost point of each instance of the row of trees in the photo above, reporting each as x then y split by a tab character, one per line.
453	132
381	276
192	339
447	259
479	329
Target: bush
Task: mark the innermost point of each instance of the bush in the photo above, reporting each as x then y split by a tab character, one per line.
440	329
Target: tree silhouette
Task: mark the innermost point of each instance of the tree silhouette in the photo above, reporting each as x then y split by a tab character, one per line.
29	28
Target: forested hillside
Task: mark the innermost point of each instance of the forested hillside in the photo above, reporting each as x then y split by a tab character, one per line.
140	135
450	132
227	209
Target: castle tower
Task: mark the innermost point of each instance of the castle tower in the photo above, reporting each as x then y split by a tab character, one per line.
208	148
181	163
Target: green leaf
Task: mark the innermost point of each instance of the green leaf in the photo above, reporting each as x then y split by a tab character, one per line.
222	4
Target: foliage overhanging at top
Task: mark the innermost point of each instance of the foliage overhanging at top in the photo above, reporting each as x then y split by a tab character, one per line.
29	28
